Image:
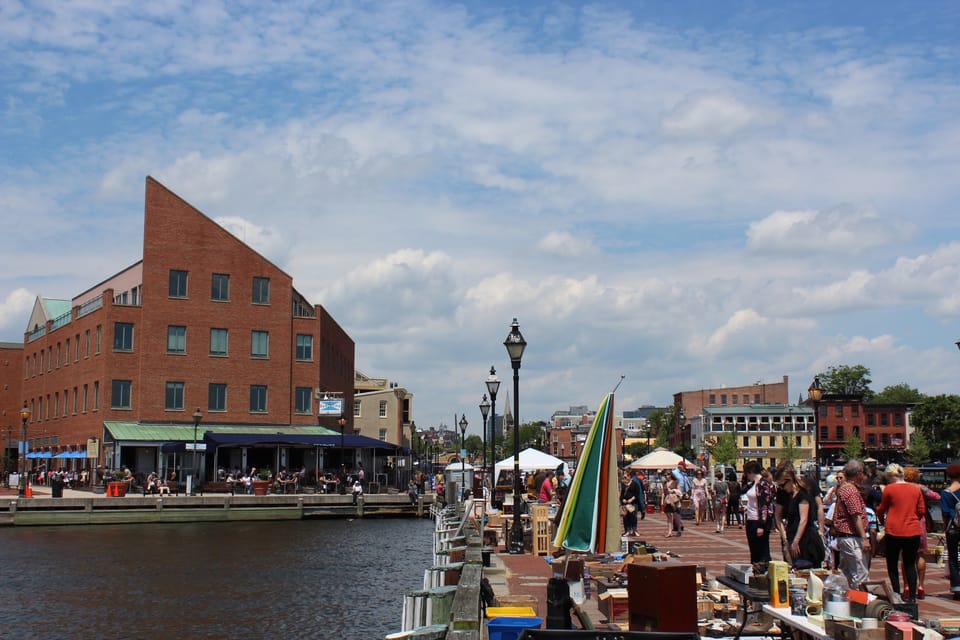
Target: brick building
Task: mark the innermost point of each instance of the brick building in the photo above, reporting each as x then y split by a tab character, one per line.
202	321
882	428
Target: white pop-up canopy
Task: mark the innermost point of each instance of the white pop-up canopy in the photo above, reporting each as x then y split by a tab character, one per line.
659	458
532	460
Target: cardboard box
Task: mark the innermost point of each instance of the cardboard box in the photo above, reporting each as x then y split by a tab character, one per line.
849	630
705	609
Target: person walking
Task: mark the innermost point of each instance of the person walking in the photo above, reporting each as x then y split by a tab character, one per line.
638	479
900	510
721	496
700	494
670	506
949	502
760	494
733	503
628	501
850	523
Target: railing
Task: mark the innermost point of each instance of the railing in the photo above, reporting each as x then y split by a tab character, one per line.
39	332
90	306
61	321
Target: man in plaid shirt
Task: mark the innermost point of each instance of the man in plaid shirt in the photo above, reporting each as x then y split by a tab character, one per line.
850	523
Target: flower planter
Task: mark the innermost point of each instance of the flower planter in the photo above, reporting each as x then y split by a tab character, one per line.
261	487
117	489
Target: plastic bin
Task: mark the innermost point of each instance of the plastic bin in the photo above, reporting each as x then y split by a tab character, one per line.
510	628
511	612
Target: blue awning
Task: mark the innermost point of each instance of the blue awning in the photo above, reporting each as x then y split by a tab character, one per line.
39	454
291	439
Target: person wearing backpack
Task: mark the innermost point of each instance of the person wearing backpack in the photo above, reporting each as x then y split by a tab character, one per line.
949	500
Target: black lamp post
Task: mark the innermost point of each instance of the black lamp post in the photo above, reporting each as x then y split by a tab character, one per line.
195	475
463	455
413	450
484	411
22	454
815	393
515	345
493	385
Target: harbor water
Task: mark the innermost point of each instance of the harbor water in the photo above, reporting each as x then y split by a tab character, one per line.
300	579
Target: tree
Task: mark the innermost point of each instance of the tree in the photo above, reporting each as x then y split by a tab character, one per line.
659	423
847	380
919	451
638	449
723	449
899	393
938	418
853	447
789	449
474	446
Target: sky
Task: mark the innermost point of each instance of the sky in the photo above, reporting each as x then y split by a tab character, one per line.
688	194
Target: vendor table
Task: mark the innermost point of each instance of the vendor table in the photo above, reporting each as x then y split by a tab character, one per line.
797	627
750	598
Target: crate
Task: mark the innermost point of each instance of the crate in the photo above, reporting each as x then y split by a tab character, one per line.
542	529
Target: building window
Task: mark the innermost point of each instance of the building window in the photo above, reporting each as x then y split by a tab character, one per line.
840	435
823	410
356	408
383	408
838	410
303	400
218	342
383	435
178	284
824	433
85	396
885	439
41	362
96	395
99	335
304	346
258	398
773	440
260	344
756	398
120	398
56	404
122	336
898	419
871	420
58	355
736	398
871	439
884	420
174	397
86	345
855	410
746	441
217	396
261	291
220	287
856	430
713	398
176	339
723	398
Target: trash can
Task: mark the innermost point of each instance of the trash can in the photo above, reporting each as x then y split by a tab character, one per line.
56	487
511	628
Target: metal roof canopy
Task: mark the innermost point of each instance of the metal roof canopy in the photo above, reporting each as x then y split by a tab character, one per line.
135	431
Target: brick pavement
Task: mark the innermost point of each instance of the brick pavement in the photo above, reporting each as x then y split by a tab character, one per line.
528	574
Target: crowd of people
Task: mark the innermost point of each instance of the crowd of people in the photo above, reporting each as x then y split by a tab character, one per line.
863	513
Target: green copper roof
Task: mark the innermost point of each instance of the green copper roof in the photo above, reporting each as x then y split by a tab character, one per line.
55	308
148	432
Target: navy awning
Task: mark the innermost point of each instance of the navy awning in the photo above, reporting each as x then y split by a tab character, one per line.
291	439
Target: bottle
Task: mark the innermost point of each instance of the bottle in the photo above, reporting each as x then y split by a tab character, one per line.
836	603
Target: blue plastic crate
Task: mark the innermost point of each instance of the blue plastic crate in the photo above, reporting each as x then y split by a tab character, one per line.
511	628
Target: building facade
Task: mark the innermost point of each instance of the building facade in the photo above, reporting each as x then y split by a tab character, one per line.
768	433
882	428
202	322
382	410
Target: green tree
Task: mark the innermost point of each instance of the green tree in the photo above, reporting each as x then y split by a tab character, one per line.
848	380
789	450
853	447
723	449
659	425
474	445
638	449
938	418
919	451
898	393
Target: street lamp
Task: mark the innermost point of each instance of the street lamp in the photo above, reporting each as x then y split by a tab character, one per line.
493	385
815	393
484	411
22	454
515	345
413	449
463	455
197	417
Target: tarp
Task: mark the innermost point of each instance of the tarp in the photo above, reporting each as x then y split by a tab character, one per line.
532	460
39	454
660	458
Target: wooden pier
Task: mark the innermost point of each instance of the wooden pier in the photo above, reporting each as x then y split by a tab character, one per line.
208	508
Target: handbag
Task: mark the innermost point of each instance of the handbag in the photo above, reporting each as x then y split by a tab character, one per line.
630	508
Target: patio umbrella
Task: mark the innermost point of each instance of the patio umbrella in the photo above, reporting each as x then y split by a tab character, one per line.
590	520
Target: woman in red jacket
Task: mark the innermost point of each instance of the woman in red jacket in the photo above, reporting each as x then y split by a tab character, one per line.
901	510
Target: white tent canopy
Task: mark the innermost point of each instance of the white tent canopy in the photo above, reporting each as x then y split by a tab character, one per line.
532	460
659	458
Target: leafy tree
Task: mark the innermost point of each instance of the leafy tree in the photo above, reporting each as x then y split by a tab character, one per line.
848	380
853	447
919	451
789	450
638	449
531	435
938	418
723	449
899	393
659	423
474	445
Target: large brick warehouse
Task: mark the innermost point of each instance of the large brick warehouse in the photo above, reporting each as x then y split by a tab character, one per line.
115	376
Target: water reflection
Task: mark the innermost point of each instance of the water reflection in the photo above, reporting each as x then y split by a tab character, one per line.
319	579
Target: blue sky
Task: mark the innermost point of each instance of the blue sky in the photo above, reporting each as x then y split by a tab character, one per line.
689	193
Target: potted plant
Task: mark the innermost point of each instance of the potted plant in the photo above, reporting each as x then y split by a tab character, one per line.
261	487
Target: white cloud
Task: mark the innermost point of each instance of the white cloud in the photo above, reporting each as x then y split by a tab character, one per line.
707	116
842	230
565	244
14	314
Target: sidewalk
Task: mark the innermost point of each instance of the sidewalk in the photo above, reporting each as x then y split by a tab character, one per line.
528	574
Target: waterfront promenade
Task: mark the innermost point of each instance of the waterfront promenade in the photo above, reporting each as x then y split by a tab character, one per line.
528	575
